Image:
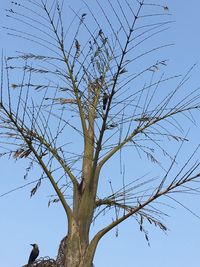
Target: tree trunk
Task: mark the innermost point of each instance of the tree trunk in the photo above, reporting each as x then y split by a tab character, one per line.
76	250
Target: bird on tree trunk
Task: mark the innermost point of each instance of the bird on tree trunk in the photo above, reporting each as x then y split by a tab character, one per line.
105	100
34	253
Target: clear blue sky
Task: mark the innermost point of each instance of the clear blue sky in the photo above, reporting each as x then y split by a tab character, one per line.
24	220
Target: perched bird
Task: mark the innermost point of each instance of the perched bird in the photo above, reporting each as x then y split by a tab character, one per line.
105	100
34	253
111	126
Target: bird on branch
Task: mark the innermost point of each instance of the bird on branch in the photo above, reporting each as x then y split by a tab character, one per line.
105	100
34	253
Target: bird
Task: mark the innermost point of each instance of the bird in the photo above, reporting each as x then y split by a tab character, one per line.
34	253
105	100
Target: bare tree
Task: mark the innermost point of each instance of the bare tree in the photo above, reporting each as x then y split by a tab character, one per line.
95	89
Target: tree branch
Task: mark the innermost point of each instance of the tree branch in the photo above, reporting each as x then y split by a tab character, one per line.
42	164
119	68
134	210
139	130
75	89
59	159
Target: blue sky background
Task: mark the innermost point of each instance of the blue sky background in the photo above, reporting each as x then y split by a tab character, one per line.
24	220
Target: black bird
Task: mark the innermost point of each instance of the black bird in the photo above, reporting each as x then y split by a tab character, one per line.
34	253
105	100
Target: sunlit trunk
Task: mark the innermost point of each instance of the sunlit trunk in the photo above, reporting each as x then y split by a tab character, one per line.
76	248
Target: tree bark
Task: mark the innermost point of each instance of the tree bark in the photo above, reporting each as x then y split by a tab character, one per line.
76	250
